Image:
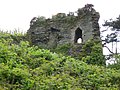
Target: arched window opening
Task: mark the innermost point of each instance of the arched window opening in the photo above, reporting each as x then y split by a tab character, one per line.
78	36
79	40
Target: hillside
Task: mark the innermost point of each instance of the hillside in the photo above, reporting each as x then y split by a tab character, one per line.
25	67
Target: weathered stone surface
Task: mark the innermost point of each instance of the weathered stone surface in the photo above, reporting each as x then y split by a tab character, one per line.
63	29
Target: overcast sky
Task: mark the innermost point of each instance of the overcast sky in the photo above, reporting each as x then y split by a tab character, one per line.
18	13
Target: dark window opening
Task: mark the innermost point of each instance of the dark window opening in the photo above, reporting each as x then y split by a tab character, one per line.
78	36
32	32
54	30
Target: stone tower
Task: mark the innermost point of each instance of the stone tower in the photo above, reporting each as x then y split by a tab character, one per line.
63	29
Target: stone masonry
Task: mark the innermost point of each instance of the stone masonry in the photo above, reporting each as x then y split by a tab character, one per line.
62	29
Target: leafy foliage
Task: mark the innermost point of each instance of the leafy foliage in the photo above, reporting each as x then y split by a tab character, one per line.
92	53
29	68
116	64
63	49
115	24
37	21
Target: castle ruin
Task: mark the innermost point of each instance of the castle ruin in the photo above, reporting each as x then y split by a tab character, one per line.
62	29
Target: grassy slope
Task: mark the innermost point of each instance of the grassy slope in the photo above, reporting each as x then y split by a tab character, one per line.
29	68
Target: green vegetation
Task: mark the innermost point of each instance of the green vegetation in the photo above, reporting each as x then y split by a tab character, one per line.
15	36
63	49
37	21
23	67
92	53
59	18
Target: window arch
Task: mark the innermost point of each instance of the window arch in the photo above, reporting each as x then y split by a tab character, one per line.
78	36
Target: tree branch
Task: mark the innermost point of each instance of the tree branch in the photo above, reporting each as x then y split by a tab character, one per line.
108	49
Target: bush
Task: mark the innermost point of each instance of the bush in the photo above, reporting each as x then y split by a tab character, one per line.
92	53
29	68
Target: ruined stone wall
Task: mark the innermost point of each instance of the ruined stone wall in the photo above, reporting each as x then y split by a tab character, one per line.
62	28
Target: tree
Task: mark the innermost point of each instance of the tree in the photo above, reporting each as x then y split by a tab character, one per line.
111	38
114	26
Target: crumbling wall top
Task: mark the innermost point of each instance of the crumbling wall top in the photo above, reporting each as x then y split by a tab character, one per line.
61	28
